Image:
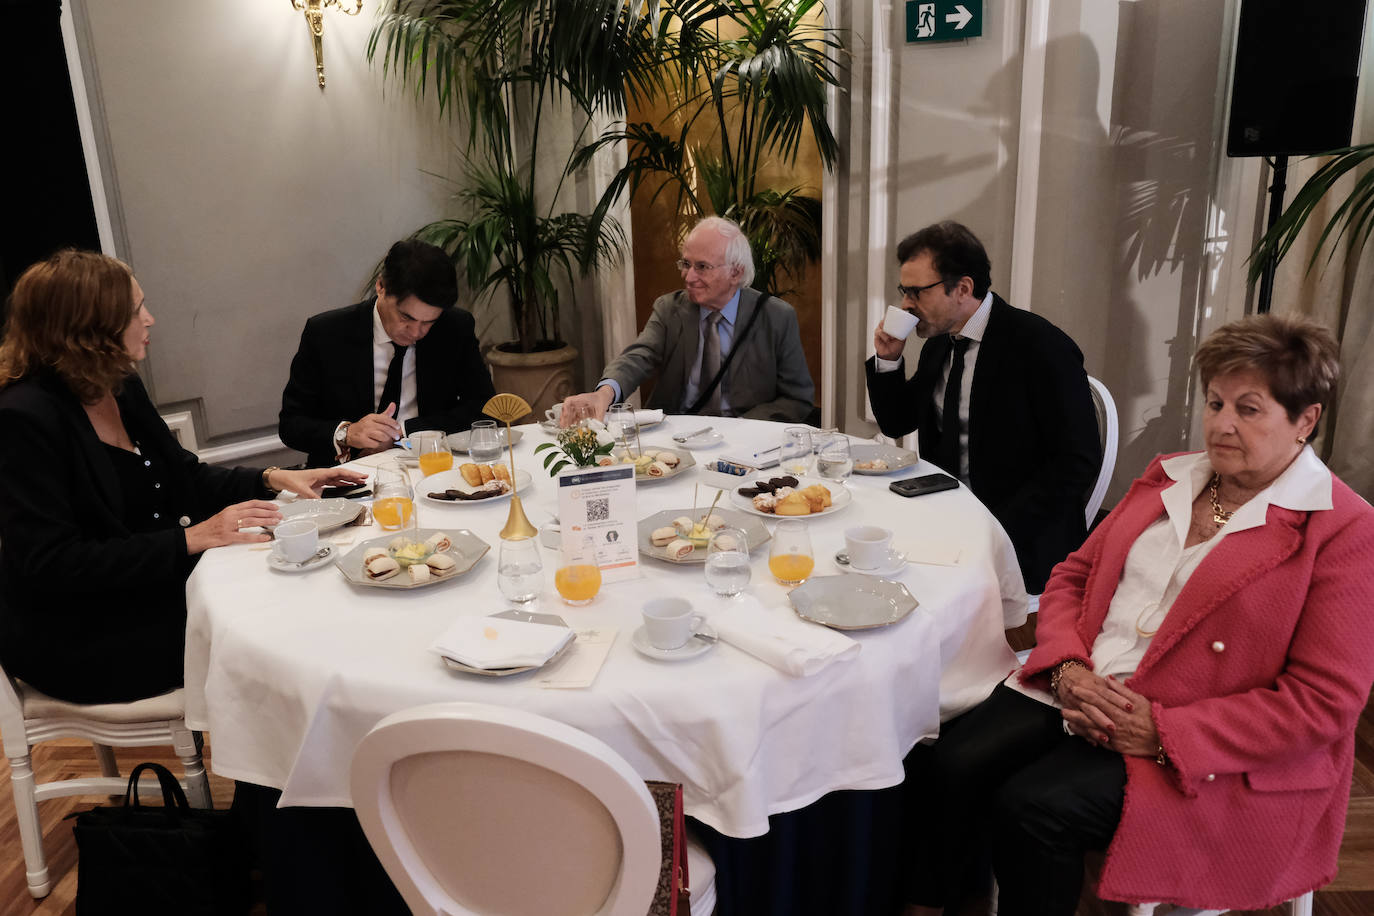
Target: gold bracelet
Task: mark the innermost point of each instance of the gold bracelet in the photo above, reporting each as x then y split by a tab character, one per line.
265	484
1058	673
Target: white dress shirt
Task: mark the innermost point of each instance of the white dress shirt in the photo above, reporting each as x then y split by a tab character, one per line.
973	331
382	351
1158	565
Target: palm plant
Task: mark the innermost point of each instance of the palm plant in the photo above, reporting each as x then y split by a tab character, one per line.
1355	214
748	82
500	64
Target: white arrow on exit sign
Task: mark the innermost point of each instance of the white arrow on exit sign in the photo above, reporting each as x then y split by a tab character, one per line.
960	17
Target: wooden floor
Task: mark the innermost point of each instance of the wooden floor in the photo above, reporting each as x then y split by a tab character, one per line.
1352	893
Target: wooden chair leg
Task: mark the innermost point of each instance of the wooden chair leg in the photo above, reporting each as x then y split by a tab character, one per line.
30	829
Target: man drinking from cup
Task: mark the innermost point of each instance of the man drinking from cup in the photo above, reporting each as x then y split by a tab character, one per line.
999	398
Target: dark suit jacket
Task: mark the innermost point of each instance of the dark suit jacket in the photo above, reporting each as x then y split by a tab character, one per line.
767	380
331	379
90	610
1033	446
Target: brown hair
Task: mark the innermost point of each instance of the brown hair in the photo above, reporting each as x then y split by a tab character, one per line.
1298	358
68	314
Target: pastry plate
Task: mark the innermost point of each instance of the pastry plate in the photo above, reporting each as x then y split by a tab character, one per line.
839	496
467	549
754	530
552	620
281	564
459	441
690	649
453	480
552	428
897	458
684	461
327	514
851	602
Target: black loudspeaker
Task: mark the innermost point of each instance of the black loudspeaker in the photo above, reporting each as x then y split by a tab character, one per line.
1297	66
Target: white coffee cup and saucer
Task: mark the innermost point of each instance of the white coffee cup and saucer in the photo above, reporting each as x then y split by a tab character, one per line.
868	551
296	547
671	632
899	323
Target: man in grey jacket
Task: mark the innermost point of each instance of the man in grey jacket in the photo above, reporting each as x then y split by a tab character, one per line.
690	337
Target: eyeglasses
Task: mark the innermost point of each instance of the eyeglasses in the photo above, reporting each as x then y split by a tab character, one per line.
914	292
701	266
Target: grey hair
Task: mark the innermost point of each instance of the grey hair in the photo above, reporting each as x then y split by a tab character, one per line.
737	251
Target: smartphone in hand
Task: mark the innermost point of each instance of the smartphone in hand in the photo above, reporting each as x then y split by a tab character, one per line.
920	486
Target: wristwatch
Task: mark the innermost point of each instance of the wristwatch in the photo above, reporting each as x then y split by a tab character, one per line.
341	438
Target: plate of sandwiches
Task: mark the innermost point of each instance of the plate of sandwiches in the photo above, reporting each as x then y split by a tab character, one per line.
790	497
653	463
412	559
671	534
472	483
874	459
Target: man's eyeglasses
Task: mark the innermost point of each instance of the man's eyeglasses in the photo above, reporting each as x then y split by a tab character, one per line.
914	292
701	266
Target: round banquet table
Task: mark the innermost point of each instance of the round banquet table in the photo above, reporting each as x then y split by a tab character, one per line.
287	672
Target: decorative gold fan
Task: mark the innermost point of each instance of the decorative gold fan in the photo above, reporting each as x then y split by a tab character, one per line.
507	408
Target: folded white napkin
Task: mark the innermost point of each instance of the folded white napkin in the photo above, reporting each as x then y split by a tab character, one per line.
492	642
644	416
777	635
929	551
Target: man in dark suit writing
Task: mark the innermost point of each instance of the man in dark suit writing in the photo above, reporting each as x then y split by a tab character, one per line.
714	327
367	374
999	398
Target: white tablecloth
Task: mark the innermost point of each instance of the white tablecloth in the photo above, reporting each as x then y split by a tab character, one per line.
288	672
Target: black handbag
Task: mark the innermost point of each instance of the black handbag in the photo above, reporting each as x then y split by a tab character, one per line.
171	859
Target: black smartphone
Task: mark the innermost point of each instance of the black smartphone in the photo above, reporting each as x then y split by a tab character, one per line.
920	486
359	491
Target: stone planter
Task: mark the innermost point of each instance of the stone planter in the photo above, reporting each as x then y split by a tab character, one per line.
543	379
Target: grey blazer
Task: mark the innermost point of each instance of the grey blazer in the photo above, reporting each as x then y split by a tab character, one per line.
767	380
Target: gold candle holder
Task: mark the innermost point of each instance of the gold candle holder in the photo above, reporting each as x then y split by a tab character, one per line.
505	408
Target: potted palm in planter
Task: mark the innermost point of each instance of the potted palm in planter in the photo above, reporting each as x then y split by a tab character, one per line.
501	65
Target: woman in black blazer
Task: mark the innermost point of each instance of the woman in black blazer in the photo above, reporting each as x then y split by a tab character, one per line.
102	513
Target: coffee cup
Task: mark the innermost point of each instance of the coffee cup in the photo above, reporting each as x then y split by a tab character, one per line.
554	412
867	546
297	540
898	323
669	622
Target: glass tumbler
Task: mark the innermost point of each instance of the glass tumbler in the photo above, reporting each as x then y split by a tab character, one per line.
727	561
790	558
484	442
520	570
834	462
393	504
578	578
796	451
431	446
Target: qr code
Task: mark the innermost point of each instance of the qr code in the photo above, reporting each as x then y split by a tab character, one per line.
598	510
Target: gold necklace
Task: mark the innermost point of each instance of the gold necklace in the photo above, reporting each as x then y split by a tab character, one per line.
1219	515
1141	616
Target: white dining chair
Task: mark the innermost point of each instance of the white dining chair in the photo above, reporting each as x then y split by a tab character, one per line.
1298	906
475	809
29	717
1108	433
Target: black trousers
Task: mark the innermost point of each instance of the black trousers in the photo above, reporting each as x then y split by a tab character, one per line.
1005	783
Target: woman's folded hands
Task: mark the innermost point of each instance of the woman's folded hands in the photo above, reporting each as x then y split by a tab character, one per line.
1107	713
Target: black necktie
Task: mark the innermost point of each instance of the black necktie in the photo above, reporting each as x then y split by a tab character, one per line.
948	458
391	391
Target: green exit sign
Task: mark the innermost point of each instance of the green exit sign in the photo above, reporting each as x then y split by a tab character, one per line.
943	20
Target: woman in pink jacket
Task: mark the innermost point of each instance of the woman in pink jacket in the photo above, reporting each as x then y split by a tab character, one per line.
1201	663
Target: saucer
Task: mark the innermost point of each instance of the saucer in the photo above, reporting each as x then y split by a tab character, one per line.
702	442
690	649
896	560
321	557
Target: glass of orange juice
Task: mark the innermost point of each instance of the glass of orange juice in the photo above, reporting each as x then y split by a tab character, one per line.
578	578
431	446
393	506
790	559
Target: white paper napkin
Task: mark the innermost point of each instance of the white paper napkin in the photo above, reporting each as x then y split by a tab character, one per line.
644	416
491	642
777	635
929	551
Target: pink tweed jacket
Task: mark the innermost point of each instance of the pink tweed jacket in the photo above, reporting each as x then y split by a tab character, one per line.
1257	678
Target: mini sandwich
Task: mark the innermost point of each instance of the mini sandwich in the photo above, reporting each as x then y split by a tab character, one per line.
713	522
441	564
371	552
380	566
683	524
656	469
662	537
726	542
668	459
419	572
438	541
678	549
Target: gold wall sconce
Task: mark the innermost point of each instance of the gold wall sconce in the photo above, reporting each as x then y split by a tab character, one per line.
314	19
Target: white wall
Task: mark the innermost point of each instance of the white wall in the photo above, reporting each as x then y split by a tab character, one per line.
250	198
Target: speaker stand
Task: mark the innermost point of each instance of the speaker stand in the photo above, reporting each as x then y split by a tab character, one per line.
1276	189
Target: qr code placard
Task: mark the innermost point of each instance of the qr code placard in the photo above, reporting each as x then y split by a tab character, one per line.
598	510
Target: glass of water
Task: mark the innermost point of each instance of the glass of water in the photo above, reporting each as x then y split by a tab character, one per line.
484	442
520	570
727	561
620	423
796	451
834	462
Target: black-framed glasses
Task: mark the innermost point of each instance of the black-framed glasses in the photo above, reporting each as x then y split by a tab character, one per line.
701	267
914	292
